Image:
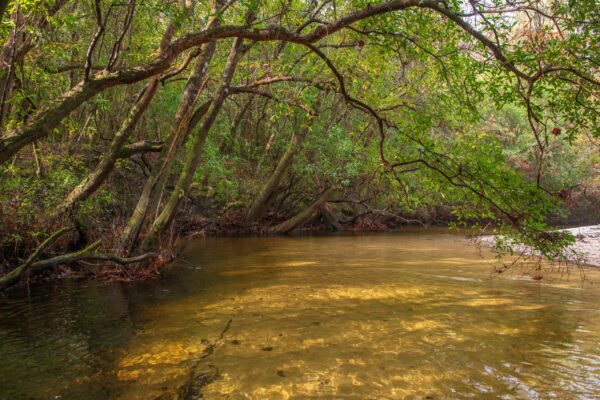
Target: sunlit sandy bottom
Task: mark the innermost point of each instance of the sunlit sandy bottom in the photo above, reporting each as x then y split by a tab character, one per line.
413	316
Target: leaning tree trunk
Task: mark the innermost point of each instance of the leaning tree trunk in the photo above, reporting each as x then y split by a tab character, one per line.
195	152
185	118
326	211
146	199
305	215
48	118
156	182
261	201
93	181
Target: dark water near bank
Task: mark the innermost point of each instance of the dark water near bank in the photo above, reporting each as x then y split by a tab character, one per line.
394	316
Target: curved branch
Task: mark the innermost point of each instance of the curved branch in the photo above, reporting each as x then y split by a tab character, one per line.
41	124
101	27
15	275
356	103
116	50
252	90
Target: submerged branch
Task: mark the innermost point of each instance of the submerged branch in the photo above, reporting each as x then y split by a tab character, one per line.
87	253
15	275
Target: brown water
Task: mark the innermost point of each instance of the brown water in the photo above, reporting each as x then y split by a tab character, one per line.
394	316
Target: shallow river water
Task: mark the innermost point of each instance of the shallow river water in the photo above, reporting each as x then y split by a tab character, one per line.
413	315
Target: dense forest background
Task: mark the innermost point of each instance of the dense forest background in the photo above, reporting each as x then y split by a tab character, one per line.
129	124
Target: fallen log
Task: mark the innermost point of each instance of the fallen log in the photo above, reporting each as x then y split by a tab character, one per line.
143	146
305	215
87	254
15	275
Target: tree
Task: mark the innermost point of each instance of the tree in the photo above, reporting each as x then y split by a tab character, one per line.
391	91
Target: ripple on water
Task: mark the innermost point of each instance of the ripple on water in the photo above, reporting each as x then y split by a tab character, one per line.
351	317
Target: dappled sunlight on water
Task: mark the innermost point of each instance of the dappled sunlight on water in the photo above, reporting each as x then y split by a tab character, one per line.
353	317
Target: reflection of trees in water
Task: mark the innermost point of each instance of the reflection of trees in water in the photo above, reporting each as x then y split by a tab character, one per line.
63	342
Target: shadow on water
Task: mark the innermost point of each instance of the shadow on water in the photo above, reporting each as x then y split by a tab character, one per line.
412	315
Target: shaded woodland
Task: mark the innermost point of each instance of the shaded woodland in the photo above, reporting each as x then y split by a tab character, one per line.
128	126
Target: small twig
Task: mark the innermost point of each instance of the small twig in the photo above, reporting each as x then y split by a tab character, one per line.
188	263
116	50
96	38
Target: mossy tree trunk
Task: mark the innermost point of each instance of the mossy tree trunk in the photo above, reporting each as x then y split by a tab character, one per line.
185	118
261	201
194	153
305	215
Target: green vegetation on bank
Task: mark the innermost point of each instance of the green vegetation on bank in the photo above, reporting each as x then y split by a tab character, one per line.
133	122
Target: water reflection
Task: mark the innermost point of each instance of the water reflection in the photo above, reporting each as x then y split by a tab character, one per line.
354	317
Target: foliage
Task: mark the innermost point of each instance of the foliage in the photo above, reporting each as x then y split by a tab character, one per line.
488	110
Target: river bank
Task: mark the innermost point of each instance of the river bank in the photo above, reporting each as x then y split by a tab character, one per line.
585	250
587	243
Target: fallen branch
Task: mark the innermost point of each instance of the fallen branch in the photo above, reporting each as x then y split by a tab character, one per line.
15	275
197	380
87	253
66	258
120	260
305	215
139	147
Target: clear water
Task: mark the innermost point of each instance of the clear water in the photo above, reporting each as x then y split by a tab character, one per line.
415	315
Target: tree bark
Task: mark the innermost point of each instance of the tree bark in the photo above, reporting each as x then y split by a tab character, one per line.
195	152
93	181
330	218
326	211
261	201
139	147
184	120
43	123
305	215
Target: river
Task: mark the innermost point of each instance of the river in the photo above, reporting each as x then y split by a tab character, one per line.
408	315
